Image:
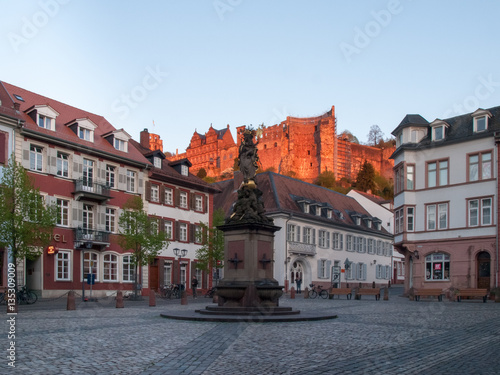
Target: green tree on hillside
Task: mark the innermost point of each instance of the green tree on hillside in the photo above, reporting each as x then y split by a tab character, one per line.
365	181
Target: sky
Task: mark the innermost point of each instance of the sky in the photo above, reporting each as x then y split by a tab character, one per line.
176	67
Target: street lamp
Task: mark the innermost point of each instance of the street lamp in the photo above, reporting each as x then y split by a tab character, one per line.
180	254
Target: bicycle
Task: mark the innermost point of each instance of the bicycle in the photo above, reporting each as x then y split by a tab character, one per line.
315	291
25	295
210	293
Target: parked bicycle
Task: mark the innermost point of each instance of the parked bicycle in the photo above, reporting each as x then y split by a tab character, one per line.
210	293
26	296
170	291
315	291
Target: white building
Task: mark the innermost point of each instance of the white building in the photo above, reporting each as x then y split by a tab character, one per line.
321	231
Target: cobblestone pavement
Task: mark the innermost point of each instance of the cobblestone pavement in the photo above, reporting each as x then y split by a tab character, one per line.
368	337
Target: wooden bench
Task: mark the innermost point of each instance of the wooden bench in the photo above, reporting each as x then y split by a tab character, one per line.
367	292
470	292
340	292
428	293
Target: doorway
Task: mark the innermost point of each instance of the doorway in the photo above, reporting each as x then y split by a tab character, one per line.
483	270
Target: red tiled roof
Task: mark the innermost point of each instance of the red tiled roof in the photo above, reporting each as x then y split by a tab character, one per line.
67	114
373	198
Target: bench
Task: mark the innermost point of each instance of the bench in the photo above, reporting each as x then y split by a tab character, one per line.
428	293
470	292
340	292
367	292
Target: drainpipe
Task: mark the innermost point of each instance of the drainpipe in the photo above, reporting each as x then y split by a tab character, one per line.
497	138
286	252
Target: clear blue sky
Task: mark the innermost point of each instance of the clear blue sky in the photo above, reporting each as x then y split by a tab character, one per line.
188	64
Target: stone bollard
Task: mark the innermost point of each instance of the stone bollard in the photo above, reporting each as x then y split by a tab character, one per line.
184	300
386	294
71	301
215	299
292	293
119	299
152	298
306	292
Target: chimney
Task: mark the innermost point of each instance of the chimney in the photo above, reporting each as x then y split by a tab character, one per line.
145	138
17	106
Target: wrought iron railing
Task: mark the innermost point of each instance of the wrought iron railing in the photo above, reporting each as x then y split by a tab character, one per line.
86	185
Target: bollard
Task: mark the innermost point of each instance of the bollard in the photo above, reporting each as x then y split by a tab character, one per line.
184	300
292	293
386	294
152	298
119	299
306	292
71	301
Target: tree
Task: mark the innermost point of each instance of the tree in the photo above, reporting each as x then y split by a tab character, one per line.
202	173
326	179
365	180
141	234
26	223
348	136
375	135
211	253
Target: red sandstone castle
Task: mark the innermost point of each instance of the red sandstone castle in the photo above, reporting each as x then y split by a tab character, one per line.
299	147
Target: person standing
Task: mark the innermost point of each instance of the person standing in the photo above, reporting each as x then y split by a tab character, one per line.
194	285
298	280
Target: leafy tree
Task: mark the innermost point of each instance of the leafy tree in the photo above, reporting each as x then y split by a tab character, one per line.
347	135
202	173
141	234
375	135
26	223
366	178
326	179
212	240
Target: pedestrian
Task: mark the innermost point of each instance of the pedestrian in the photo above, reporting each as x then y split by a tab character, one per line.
298	280
194	285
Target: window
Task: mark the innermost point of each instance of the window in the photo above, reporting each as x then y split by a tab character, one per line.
85	134
410	177
155	193
62	212
306	208
293	233
110	267
438	133
36	158
45	122
379	247
324	239
168	229
128	268
62	164
183	232
183	199
322	268
157	162
88	173
349	243
437	216
167	273
309	236
90	265
198	234
480	124
338	241
169	196
410	217
361	271
480	166
480	212
120	145
437	267
63	266
110	176
371	250
399	220
437	173
130	181
110	220
184	170
199	203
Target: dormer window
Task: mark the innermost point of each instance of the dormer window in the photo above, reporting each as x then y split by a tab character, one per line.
83	128
328	213
157	162
118	139
184	170
480	120
85	134
306	208
44	116
438	130
181	166
368	222
45	122
120	145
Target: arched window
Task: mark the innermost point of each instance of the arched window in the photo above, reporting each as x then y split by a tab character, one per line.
110	267
437	267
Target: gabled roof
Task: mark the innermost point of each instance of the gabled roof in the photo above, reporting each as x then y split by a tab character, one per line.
281	194
62	133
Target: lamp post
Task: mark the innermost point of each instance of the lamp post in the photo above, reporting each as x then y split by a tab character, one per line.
180	254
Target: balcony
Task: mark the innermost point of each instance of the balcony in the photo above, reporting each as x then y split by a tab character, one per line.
91	238
301	248
91	190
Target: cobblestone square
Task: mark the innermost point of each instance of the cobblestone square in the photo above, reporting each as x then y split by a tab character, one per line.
368	337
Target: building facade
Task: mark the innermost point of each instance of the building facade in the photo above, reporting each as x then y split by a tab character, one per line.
180	202
321	232
445	204
301	147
